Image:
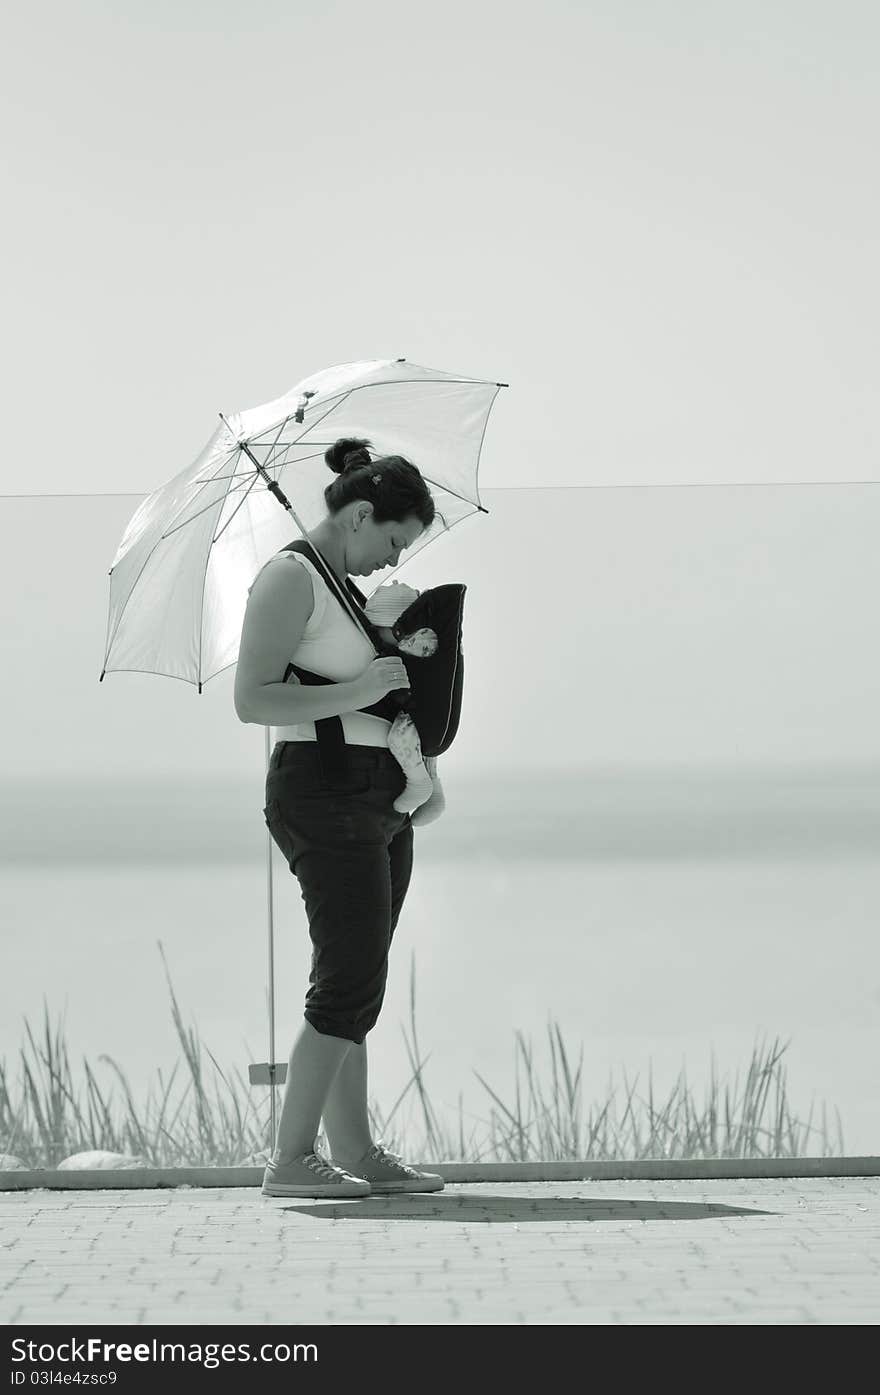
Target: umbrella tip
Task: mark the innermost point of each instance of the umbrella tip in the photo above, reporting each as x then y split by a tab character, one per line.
400	360
101	679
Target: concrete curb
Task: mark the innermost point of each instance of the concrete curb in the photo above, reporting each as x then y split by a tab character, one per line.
649	1169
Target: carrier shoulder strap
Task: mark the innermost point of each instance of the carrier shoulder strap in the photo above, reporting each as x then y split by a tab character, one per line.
353	602
328	730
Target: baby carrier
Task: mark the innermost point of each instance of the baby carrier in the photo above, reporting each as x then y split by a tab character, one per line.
436	682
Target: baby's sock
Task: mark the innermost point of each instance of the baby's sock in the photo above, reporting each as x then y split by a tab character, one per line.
433	807
417	791
404	744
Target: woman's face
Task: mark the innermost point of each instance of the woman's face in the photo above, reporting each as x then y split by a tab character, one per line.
384	542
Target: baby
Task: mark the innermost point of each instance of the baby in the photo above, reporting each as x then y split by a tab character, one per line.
422	795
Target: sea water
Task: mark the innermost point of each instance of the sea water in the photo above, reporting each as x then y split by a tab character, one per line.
649	939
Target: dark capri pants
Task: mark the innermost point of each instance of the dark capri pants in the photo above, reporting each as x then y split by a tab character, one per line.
352	853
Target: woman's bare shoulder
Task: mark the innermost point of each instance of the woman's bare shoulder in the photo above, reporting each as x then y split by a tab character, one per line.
279	573
281	585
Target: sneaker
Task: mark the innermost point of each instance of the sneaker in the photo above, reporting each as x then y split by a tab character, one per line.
311	1175
385	1172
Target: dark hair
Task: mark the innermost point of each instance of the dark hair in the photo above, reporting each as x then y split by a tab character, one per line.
398	493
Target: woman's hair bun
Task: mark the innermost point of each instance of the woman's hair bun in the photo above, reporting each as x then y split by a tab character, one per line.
391	483
347	453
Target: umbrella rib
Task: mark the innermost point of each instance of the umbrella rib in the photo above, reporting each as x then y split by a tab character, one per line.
448	529
334	400
343	395
480	446
281	427
331	408
272	463
241	501
338	397
160	673
268	464
236	475
289	445
239	475
208	563
447	490
191	517
249	483
202	486
122	613
245	495
146	561
270	460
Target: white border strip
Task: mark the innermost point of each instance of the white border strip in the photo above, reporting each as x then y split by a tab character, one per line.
649	1169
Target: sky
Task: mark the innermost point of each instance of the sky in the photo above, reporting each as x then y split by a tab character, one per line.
657	222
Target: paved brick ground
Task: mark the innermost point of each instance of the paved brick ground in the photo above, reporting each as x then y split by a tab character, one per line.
750	1251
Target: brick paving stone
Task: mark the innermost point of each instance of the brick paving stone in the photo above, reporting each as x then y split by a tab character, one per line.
723	1251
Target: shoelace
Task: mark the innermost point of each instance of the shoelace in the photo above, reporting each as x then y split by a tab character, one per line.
381	1154
323	1168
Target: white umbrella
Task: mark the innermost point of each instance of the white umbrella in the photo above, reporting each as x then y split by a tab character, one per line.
179	580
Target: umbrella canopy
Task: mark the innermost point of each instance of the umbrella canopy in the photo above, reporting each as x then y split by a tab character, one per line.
179	580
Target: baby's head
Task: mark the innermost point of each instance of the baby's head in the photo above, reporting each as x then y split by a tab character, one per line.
385	606
421	644
387	603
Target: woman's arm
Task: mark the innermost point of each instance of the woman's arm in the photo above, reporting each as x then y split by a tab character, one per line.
286	704
277	613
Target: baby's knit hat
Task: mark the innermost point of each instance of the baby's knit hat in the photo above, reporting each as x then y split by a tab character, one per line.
388	603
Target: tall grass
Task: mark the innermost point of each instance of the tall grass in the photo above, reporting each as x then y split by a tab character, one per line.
217	1119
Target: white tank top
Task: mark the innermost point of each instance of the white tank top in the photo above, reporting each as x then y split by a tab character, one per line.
335	646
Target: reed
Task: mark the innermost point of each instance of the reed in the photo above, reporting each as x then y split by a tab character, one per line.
216	1119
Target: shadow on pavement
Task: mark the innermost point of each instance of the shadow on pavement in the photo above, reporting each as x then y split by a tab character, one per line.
487	1210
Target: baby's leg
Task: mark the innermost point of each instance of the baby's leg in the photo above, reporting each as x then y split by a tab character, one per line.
422	787
405	746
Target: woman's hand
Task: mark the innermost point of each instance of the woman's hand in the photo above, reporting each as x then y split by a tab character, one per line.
381	677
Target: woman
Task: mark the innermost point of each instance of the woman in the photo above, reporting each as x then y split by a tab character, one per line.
350	849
